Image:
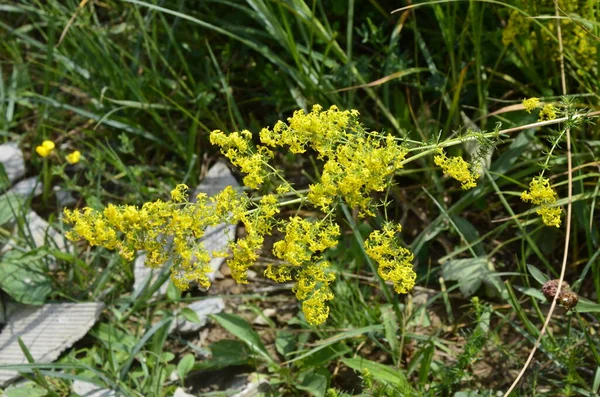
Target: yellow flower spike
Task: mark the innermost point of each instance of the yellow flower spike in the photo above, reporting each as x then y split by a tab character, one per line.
314	308
457	168
548	112
74	157
394	261
530	104
541	193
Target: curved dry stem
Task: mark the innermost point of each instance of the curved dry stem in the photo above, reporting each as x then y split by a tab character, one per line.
569	209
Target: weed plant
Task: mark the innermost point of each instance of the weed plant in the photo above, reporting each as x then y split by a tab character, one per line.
408	222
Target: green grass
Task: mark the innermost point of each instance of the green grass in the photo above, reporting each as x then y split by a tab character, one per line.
137	86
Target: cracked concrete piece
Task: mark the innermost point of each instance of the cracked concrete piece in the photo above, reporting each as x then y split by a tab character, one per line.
11	158
28	187
87	389
141	274
42	232
179	392
217	178
202	308
46	331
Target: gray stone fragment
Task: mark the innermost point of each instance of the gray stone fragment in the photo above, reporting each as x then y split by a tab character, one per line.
87	389
142	273
46	331
179	392
28	187
202	308
11	158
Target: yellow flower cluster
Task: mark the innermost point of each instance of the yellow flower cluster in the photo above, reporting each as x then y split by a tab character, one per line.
257	223
548	112
238	148
355	164
541	193
73	157
164	230
299	250
576	37
394	260
457	168
530	104
517	24
48	147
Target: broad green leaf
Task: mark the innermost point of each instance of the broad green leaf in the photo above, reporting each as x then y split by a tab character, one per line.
190	315
226	353
470	273
315	382
587	306
185	365
243	330
27	390
22	276
533	292
391	326
537	274
469	232
285	342
10	206
382	373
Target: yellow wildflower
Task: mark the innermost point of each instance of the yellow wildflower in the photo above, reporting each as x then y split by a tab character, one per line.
74	157
179	194
164	230
45	148
548	112
394	261
314	308
541	193
457	168
238	148
530	104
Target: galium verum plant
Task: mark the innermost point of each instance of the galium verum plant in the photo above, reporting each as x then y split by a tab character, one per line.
356	164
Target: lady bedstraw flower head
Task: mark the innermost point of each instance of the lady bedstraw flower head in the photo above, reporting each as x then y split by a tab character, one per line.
530	104
394	260
315	308
73	157
164	230
179	194
457	168
541	193
299	250
548	112
320	130
238	148
45	148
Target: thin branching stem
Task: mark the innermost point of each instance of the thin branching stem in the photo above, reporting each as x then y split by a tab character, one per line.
569	210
